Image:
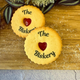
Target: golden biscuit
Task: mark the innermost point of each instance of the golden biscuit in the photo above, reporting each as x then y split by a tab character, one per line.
25	19
43	45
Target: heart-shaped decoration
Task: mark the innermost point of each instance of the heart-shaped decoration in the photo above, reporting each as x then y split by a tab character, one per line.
42	46
27	21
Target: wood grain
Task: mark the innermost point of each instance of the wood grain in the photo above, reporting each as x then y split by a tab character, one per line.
66	21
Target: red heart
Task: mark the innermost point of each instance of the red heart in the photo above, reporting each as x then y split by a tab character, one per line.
27	21
42	46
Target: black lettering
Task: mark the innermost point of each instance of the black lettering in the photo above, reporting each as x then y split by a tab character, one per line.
24	11
47	56
20	29
43	55
47	34
25	31
39	33
40	56
42	33
35	53
31	29
27	12
53	54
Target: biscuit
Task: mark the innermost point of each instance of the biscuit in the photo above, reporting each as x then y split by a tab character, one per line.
25	19
43	45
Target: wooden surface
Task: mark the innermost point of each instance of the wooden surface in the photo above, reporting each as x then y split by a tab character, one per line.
65	20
